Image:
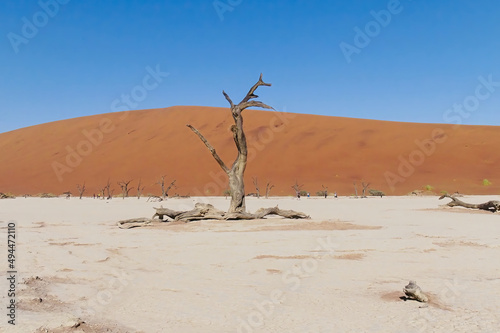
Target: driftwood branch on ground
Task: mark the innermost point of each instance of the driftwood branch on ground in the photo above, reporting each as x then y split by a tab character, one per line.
491	206
203	211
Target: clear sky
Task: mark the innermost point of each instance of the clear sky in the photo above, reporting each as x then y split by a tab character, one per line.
418	61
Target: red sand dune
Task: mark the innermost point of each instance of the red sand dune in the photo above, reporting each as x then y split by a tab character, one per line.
283	147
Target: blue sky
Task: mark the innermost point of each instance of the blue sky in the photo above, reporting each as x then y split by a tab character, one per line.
418	60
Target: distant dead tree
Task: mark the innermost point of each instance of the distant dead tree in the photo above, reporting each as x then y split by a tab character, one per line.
325	191
256	184
297	188
101	191
81	189
139	189
355	189
164	191
124	186
109	191
269	186
365	186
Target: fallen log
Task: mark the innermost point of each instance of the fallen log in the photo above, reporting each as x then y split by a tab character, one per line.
134	223
491	206
203	211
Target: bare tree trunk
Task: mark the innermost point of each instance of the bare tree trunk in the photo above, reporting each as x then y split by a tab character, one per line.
325	191
491	206
256	184
139	189
169	187
268	189
235	173
355	189
108	190
81	189
365	186
237	186
297	188
124	186
161	182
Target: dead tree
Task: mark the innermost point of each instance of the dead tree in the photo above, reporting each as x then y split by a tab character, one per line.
101	191
124	186
237	208
365	186
139	189
269	186
491	206
236	171
109	192
164	191
325	190
256	184
81	189
355	189
297	188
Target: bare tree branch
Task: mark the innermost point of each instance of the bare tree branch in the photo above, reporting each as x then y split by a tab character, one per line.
228	99
251	94
212	149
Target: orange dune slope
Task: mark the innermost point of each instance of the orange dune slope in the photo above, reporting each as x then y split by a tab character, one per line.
393	157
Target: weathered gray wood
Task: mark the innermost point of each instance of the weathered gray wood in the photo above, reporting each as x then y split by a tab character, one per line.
491	206
237	170
413	291
134	223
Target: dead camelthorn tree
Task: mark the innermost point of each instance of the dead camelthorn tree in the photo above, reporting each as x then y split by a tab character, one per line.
124	186
365	186
355	189
101	191
164	191
325	191
81	189
297	188
256	184
109	192
269	186
236	171
140	188
237	208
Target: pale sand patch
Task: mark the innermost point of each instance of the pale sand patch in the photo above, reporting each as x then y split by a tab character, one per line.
213	276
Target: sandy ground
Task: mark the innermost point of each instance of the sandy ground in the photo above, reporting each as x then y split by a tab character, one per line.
341	271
